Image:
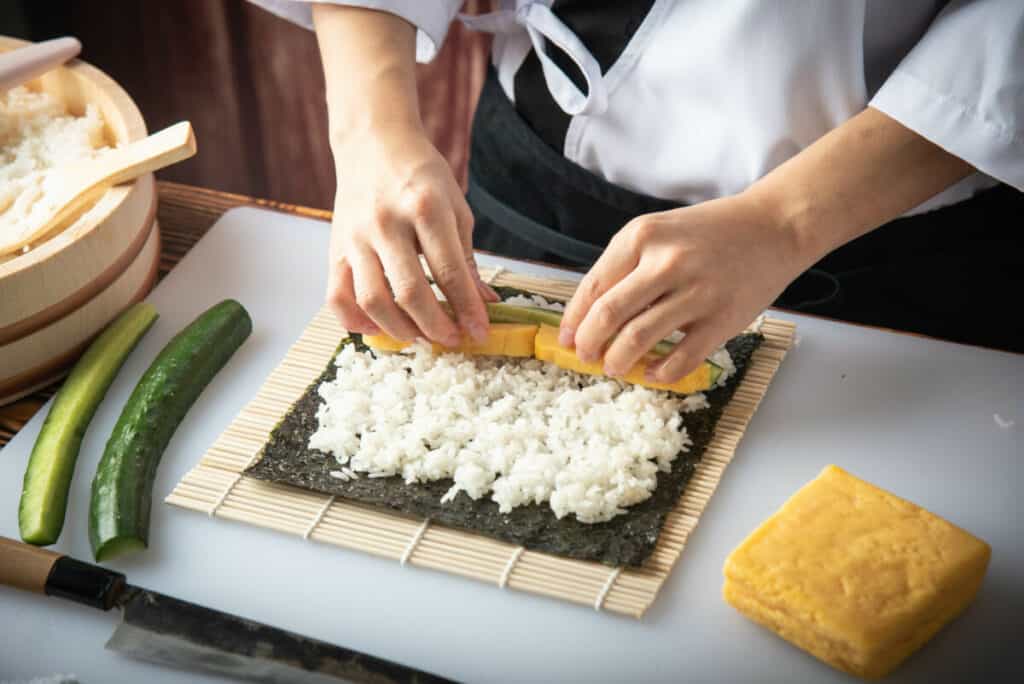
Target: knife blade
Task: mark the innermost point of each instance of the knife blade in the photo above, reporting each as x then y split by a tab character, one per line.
166	630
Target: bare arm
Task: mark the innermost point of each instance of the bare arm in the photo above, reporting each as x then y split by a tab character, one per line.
857	177
369	62
709	269
396	195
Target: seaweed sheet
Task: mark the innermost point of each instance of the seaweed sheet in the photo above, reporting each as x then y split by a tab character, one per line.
627	539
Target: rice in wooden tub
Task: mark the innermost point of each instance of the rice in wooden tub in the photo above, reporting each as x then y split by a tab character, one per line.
37	136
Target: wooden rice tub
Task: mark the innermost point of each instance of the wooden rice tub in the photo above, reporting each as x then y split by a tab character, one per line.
56	297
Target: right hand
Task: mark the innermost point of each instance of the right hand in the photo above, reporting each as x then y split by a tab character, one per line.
397	198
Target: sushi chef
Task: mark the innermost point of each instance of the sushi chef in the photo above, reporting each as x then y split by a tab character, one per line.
701	159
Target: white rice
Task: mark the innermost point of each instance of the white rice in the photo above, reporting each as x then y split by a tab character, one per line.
695	402
38	135
723	360
519	430
534	300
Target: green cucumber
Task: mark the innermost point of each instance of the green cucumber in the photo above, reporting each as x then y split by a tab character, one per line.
44	495
122	489
512	313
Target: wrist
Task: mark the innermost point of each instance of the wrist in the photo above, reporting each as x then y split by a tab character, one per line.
344	132
376	103
381	138
789	215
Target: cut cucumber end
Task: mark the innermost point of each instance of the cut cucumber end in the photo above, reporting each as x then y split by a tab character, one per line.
716	372
117	546
41	516
37	533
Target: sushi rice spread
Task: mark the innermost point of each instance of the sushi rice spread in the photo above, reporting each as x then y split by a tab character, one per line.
520	430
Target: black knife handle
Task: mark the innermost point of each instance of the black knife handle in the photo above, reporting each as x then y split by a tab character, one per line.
42	571
85	583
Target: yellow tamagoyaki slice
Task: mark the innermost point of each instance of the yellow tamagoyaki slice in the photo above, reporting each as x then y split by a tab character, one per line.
547	348
503	339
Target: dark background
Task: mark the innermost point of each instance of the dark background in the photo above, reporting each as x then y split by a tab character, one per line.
250	83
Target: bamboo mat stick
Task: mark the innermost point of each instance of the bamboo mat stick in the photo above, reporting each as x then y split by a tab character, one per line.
217	487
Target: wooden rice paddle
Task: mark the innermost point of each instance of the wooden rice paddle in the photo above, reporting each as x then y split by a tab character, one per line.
83	183
24	64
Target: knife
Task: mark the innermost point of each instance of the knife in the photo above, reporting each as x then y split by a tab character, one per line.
166	630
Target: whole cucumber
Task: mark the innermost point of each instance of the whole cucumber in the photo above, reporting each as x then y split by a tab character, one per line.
122	489
44	495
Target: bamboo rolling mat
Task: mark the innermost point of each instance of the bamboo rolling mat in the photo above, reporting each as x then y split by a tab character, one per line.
217	487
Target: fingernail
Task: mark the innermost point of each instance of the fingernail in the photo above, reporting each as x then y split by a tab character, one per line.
585	355
478	332
566	336
664	376
651	372
612	371
494	297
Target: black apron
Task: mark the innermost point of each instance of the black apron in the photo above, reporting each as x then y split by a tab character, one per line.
953	273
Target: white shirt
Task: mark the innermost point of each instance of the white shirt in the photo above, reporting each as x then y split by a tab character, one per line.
710	95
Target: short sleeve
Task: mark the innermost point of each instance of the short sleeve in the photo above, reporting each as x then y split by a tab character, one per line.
430	17
962	86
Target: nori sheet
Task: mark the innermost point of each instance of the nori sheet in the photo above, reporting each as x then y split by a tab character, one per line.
626	539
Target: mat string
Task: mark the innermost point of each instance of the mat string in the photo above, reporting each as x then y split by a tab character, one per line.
498	270
224	495
407	554
319	517
614	575
507	572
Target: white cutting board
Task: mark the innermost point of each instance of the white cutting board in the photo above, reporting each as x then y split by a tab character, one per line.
912	415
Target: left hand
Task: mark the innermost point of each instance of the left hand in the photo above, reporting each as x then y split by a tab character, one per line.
708	270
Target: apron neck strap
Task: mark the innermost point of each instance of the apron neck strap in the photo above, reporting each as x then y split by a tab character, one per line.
542	25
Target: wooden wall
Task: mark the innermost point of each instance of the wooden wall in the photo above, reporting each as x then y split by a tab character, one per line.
251	84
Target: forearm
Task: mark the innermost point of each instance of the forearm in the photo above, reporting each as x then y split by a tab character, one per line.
859	176
369	60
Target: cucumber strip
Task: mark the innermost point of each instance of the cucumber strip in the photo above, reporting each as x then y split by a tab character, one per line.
511	313
122	489
44	495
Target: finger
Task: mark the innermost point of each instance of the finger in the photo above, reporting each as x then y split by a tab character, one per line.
700	342
615	263
439	239
373	295
341	298
644	331
486	291
465	221
612	310
413	295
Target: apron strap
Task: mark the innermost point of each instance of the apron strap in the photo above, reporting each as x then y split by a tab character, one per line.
537	234
543	25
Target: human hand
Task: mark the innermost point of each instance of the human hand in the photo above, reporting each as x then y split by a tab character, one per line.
397	198
707	270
